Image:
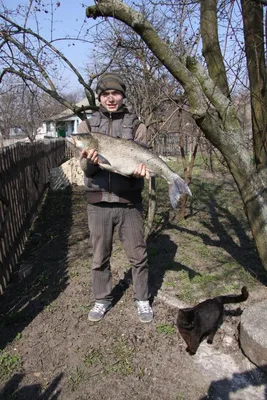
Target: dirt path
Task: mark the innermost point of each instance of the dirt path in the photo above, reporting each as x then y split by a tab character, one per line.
53	352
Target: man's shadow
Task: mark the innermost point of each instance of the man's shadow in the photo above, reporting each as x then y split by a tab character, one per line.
161	258
162	253
14	390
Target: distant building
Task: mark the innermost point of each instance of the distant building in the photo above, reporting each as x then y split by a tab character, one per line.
62	124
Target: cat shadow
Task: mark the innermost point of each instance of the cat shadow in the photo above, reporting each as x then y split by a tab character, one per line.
223	388
233	313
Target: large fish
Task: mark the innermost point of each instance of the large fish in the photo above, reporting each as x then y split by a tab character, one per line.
122	156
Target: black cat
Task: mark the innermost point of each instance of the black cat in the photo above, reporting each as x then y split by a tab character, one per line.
203	320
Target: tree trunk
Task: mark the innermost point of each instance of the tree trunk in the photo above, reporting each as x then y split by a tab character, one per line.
254	44
211	48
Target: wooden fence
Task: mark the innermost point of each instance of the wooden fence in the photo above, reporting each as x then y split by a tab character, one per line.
24	177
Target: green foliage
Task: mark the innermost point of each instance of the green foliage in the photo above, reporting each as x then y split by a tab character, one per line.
18	336
166	329
8	363
94	356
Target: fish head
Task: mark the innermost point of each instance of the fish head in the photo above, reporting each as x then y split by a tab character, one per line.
84	141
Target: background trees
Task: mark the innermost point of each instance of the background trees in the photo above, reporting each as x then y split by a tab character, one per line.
24	107
36	60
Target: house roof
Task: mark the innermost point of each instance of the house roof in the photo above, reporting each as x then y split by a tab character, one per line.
68	113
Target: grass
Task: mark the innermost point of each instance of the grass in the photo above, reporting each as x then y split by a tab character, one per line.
74	273
50	308
215	249
166	329
76	378
116	359
122	356
93	357
8	363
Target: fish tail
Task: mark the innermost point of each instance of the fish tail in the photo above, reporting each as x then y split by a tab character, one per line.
176	188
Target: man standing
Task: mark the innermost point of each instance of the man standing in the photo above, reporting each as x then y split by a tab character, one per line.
115	200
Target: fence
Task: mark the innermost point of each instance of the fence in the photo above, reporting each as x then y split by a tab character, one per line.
167	144
24	176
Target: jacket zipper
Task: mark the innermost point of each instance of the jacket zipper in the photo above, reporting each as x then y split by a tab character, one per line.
109	174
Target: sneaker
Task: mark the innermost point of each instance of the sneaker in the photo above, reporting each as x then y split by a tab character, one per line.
98	311
145	312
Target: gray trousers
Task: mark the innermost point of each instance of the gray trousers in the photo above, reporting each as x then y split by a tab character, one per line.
102	220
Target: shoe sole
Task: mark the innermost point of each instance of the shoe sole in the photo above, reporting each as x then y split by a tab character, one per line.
98	319
145	321
94	320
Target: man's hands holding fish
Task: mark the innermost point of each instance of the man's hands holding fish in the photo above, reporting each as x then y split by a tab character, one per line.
92	156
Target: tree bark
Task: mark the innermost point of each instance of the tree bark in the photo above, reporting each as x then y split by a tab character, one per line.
254	46
211	49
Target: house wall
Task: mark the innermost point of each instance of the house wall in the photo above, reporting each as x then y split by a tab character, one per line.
48	128
51	128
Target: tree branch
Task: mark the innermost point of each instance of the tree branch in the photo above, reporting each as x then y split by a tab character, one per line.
211	47
118	10
79	111
22	48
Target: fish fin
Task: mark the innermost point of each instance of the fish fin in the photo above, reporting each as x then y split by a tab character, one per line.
102	160
176	188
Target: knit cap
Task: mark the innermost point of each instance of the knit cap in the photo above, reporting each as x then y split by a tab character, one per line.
110	81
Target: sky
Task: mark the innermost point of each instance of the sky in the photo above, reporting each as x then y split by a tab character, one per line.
69	16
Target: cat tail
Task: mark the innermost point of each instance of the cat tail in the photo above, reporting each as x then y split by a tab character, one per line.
234	298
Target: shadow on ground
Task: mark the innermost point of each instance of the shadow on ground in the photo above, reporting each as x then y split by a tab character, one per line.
46	252
223	388
221	221
166	251
12	390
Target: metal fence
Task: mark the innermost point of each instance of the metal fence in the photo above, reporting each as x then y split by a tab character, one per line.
24	177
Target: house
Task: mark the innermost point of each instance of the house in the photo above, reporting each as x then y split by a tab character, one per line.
63	124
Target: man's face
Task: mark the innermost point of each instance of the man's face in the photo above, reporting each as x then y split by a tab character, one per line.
111	100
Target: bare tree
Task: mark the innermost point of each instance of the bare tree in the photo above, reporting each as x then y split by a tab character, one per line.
24	107
34	59
8	107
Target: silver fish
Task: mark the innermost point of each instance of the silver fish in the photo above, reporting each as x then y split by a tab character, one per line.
123	156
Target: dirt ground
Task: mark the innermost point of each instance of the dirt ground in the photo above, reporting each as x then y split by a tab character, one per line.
49	350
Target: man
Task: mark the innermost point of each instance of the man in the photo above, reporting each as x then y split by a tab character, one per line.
115	200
